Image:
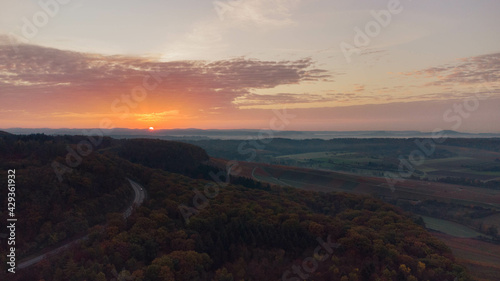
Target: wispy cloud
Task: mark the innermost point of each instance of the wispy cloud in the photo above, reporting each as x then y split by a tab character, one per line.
213	36
260	13
466	71
281	98
359	88
157	116
39	79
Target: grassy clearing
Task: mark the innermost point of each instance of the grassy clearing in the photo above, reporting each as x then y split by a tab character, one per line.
310	155
449	159
494	174
450	228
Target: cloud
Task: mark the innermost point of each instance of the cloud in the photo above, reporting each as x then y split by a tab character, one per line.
421	115
359	88
260	13
81	115
211	37
281	98
155	117
484	69
460	79
303	100
52	79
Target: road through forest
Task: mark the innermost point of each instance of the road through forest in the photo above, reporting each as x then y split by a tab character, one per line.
139	196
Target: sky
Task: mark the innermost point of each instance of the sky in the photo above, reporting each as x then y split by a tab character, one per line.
327	64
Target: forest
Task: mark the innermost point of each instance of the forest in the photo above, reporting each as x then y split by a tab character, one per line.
237	229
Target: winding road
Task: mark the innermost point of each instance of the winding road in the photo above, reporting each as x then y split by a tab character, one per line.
139	196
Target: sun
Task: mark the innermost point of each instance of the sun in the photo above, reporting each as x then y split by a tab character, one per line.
151	128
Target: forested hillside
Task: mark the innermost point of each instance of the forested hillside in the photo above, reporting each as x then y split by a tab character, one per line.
49	211
195	229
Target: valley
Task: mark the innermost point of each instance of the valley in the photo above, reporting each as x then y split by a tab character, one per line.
456	199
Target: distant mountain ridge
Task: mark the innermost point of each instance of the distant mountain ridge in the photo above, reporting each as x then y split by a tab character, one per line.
193	133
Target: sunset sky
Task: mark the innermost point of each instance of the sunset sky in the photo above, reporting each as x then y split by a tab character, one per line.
334	65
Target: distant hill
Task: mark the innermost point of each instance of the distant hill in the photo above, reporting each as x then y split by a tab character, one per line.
242	134
167	155
3	133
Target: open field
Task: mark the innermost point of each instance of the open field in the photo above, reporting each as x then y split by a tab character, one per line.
458	162
310	155
324	180
481	258
450	228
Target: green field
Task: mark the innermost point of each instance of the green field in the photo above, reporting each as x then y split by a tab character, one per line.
439	161
450	228
310	155
374	163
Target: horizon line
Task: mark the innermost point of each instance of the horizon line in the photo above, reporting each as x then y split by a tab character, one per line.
246	129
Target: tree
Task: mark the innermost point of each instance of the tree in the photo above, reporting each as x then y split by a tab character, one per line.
100	277
493	231
223	275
